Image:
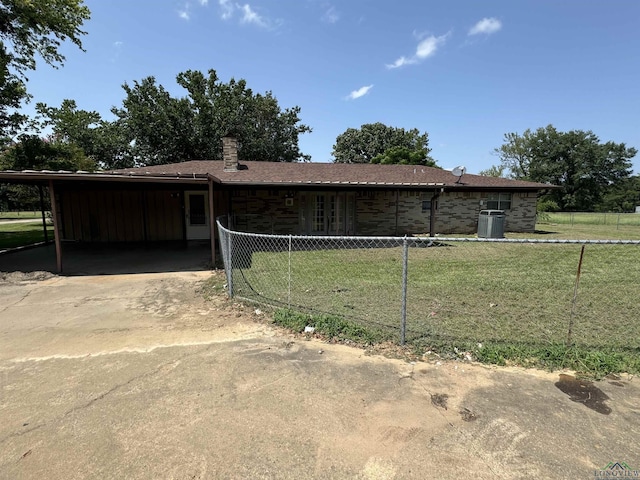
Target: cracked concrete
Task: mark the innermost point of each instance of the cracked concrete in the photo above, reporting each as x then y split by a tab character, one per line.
137	376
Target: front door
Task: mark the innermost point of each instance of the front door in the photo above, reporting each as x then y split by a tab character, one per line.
196	208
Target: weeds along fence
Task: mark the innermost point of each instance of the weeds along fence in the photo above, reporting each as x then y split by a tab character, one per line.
453	290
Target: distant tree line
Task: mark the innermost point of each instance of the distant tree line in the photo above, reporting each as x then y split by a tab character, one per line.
592	175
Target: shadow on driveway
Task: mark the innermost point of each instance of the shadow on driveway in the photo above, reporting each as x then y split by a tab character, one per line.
94	259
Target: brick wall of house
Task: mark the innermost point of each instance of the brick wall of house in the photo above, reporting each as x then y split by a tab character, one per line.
457	212
375	213
380	213
265	211
522	216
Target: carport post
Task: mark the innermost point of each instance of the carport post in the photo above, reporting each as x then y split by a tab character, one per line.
56	230
212	224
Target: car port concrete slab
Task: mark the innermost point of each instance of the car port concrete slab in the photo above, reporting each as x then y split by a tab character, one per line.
138	376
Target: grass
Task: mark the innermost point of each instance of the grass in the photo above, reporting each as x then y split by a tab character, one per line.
332	326
20	215
515	300
592	218
14	235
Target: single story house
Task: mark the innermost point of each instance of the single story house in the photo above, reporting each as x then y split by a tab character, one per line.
180	201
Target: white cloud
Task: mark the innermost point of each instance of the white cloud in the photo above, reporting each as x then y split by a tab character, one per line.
331	15
250	16
428	46
361	92
486	26
185	12
425	49
117	49
227	9
400	62
247	14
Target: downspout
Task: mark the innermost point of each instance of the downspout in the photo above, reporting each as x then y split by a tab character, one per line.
432	214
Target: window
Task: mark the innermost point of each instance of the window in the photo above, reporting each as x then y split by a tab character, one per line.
426	206
499	201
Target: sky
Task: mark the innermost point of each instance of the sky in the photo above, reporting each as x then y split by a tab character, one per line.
465	71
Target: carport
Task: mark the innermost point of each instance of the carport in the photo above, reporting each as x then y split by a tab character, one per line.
112	213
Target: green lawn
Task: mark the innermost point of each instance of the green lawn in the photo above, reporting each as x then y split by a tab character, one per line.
592	218
20	215
516	296
20	234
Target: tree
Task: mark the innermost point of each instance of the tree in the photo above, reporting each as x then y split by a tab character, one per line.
373	140
29	29
493	171
584	168
31	152
164	129
622	197
515	155
404	156
102	141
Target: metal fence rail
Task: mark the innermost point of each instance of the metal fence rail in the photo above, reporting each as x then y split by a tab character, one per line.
448	289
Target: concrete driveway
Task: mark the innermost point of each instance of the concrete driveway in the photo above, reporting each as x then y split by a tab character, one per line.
139	377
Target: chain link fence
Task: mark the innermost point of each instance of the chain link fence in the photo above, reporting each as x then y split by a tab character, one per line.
453	290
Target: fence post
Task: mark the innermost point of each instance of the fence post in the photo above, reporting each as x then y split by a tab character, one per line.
405	268
575	298
289	275
230	257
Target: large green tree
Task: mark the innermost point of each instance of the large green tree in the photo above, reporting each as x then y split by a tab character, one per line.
496	171
379	143
31	152
32	29
624	196
104	142
162	128
577	161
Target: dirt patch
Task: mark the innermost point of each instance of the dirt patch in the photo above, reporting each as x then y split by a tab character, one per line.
13	278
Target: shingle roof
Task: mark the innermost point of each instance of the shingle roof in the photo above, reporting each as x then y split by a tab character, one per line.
292	174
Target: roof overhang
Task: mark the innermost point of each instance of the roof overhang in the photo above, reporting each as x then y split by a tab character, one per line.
43	177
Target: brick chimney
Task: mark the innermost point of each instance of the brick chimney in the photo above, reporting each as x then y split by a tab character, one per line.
230	153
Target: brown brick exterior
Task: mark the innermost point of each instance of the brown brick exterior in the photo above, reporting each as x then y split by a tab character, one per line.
381	213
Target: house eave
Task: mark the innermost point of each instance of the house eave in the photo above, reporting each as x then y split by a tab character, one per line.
44	177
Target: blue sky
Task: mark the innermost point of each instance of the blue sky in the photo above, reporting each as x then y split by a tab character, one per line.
466	72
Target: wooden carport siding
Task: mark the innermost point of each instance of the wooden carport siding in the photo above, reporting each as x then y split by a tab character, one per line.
120	213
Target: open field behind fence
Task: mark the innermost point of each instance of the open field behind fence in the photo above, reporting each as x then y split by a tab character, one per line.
36	215
457	291
593	218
